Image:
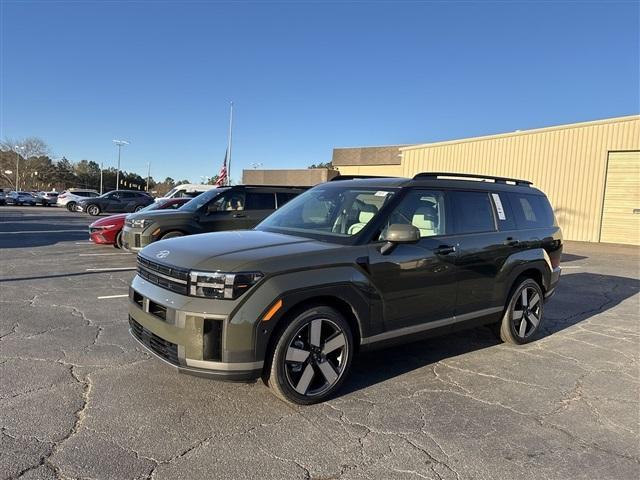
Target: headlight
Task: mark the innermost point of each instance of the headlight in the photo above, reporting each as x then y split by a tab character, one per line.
137	223
221	285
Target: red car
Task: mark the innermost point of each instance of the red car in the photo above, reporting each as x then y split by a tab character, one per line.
108	230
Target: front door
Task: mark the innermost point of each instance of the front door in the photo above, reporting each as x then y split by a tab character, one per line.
417	282
226	212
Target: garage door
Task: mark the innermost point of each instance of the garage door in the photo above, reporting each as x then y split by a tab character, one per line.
621	210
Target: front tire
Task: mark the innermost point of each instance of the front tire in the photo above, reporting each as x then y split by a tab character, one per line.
118	243
93	210
138	208
312	356
71	206
523	314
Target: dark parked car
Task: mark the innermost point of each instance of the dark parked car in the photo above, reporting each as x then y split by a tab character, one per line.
230	208
108	230
116	201
3	197
21	198
346	266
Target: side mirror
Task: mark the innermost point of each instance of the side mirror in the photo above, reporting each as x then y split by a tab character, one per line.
398	233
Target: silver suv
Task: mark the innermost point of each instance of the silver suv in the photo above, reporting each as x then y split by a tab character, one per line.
70	198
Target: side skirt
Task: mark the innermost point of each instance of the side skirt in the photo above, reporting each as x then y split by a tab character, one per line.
431	329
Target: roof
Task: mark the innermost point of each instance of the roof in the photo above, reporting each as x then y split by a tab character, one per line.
628	118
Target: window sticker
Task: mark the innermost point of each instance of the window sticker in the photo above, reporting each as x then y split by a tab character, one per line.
381	193
499	208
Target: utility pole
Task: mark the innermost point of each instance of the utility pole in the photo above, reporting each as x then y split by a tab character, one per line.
229	146
119	143
148	174
18	166
101	169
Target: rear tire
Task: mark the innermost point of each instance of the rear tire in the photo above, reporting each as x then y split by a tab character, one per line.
312	356
93	210
523	314
118	243
71	206
173	234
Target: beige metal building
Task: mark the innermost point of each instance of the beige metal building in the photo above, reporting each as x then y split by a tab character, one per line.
589	170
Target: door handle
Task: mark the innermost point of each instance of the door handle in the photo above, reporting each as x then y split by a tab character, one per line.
239	215
445	249
511	242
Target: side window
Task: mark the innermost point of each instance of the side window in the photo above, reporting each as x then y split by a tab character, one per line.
531	211
424	209
472	212
504	213
228	201
284	197
260	201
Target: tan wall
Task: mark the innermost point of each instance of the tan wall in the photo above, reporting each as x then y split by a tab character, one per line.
380	170
294	177
620	223
387	155
568	163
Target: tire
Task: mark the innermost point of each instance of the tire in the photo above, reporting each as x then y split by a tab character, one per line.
301	371
138	208
118	243
71	206
523	314
174	234
93	210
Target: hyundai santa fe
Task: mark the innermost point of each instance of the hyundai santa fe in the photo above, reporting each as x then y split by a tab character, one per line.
352	264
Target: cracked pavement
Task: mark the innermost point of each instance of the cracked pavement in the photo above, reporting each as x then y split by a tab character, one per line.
80	399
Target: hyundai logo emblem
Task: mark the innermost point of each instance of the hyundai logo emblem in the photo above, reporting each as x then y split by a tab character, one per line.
162	254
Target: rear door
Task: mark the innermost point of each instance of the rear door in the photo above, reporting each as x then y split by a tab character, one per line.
259	204
481	252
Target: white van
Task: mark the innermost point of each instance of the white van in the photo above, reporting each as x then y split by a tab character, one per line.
188	190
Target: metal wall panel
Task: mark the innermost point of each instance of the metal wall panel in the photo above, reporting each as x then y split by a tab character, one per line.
567	162
621	210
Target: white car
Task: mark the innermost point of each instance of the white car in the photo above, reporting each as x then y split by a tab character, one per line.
186	190
70	198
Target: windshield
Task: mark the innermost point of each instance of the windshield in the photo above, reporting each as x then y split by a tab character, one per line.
332	212
201	200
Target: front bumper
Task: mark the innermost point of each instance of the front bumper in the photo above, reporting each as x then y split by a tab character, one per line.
182	333
134	239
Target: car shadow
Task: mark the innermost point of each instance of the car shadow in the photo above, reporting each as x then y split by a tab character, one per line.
578	297
41	234
568	257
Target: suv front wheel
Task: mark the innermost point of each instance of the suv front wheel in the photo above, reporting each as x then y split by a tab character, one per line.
312	356
523	314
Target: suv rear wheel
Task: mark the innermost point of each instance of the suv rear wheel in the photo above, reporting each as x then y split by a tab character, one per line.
523	314
312	356
93	210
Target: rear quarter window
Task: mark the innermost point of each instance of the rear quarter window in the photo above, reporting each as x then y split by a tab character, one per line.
531	211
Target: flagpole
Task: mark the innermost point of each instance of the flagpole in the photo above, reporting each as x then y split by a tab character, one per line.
229	146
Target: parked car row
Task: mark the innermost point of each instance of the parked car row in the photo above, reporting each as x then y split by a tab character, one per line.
27	198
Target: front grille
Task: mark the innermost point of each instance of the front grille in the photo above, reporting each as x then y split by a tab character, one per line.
165	276
163	348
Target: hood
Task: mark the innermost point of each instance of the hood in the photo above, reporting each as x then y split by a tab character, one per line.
228	251
162	214
110	220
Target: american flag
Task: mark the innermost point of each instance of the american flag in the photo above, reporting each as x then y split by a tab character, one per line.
222	176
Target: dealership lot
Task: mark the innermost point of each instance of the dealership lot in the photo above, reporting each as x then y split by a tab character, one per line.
80	399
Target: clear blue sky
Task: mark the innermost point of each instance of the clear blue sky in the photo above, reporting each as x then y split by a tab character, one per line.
305	76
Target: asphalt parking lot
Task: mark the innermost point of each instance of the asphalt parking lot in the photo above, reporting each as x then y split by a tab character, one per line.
80	399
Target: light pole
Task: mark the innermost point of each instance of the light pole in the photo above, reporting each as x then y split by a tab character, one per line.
119	143
101	169
148	175
18	164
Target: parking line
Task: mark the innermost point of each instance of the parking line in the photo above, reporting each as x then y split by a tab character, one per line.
113	296
84	243
108	269
99	254
571	266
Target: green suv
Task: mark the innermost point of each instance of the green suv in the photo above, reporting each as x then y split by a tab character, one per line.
238	207
352	264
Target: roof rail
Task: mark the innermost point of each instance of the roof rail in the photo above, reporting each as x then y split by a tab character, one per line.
471	176
356	177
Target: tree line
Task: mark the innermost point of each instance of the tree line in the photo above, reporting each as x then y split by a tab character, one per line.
28	162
